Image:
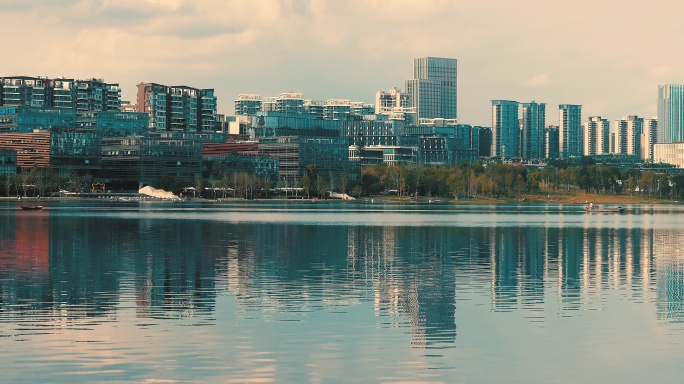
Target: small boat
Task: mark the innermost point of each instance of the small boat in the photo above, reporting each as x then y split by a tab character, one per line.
591	208
32	207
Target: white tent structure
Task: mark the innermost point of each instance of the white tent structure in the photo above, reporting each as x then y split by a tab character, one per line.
158	193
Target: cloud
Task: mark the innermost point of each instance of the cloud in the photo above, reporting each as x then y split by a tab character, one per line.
540	80
351	49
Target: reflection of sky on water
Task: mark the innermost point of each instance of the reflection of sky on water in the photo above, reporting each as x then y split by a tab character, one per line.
131	294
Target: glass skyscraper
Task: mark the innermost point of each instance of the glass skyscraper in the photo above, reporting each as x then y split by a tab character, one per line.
570	130
532	124
432	91
670	113
505	129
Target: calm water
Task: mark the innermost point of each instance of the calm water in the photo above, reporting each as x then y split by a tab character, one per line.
337	293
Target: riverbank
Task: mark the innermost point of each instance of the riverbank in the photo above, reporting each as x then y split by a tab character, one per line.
557	198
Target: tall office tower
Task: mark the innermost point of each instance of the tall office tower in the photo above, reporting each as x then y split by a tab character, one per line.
505	129
649	137
596	136
626	136
570	130
533	123
177	108
248	104
25	90
670	113
432	91
552	142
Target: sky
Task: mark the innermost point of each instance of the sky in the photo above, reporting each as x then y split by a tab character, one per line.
607	55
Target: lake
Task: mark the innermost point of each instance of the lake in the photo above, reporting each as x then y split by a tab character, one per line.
292	292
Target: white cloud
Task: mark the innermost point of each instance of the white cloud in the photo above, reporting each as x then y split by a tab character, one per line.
540	80
351	49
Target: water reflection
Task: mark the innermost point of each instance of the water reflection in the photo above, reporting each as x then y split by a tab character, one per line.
60	272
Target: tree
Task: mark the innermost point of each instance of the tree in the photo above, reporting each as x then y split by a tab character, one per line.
322	187
199	184
7	183
310	179
647	182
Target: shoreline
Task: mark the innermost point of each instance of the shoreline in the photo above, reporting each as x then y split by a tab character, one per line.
578	199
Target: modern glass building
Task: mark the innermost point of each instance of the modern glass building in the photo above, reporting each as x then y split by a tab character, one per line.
432	91
8	161
117	124
670	113
271	124
266	168
25	119
570	133
368	132
532	124
505	129
147	160
75	150
552	142
85	97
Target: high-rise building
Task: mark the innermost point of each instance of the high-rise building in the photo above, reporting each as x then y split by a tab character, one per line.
532	124
247	104
390	100
626	136
92	96
25	90
570	130
177	108
649	138
670	113
505	129
395	104
552	142
596	136
432	91
86	97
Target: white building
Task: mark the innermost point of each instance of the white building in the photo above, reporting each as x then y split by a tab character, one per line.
626	136
596	136
669	153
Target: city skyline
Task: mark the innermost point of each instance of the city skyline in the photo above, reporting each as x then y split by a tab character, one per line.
315	47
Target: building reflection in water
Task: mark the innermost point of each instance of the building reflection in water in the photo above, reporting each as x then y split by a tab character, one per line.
84	267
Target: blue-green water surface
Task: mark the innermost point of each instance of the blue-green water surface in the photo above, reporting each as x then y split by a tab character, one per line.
94	291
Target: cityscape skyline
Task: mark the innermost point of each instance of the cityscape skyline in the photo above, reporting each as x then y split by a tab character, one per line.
310	47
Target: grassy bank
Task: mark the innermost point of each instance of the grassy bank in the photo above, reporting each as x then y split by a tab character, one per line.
552	198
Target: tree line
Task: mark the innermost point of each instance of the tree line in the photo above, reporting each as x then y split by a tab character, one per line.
464	180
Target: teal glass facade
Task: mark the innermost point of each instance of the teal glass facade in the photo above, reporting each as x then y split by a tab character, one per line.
8	161
115	124
505	129
433	89
570	132
75	150
26	119
670	113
